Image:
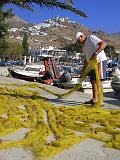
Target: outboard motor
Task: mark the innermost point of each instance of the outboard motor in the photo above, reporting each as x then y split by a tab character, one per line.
66	77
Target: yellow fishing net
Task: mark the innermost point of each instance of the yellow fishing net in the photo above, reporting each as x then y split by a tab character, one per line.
23	107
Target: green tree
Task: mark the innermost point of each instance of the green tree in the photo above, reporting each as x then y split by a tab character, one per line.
11	50
110	51
25	45
3	47
28	4
3	25
74	47
4	29
15	51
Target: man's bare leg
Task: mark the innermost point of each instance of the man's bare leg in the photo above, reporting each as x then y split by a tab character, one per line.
102	93
94	91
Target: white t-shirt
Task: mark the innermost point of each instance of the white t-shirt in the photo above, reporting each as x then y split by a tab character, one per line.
90	46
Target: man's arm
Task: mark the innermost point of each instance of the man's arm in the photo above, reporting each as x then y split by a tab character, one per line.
101	47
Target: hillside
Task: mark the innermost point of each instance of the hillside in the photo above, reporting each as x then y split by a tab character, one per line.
56	32
16	22
117	34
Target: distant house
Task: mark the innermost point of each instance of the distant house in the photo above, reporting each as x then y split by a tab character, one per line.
57	53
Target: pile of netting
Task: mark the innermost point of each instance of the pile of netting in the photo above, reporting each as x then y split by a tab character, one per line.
23	107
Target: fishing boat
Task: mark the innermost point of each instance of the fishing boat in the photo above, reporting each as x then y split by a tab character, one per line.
31	72
46	73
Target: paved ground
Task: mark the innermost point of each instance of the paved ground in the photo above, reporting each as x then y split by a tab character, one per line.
20	134
89	149
16	154
111	100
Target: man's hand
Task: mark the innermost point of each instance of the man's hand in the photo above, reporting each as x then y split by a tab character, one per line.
81	74
94	56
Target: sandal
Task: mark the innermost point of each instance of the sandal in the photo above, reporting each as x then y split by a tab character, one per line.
102	105
90	102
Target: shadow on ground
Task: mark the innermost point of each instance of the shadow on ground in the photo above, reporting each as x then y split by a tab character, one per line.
64	102
113	102
112	95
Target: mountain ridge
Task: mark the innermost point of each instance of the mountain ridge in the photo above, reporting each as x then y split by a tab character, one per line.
58	32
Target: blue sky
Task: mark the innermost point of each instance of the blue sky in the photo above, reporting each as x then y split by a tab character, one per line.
102	15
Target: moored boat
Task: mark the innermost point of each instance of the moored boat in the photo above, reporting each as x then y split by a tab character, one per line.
30	72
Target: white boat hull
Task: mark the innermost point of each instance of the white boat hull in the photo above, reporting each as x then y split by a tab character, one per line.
29	72
26	77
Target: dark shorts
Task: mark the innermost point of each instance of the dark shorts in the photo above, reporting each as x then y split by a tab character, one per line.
102	72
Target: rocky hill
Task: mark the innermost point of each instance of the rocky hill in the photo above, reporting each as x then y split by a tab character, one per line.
116	34
17	22
56	32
